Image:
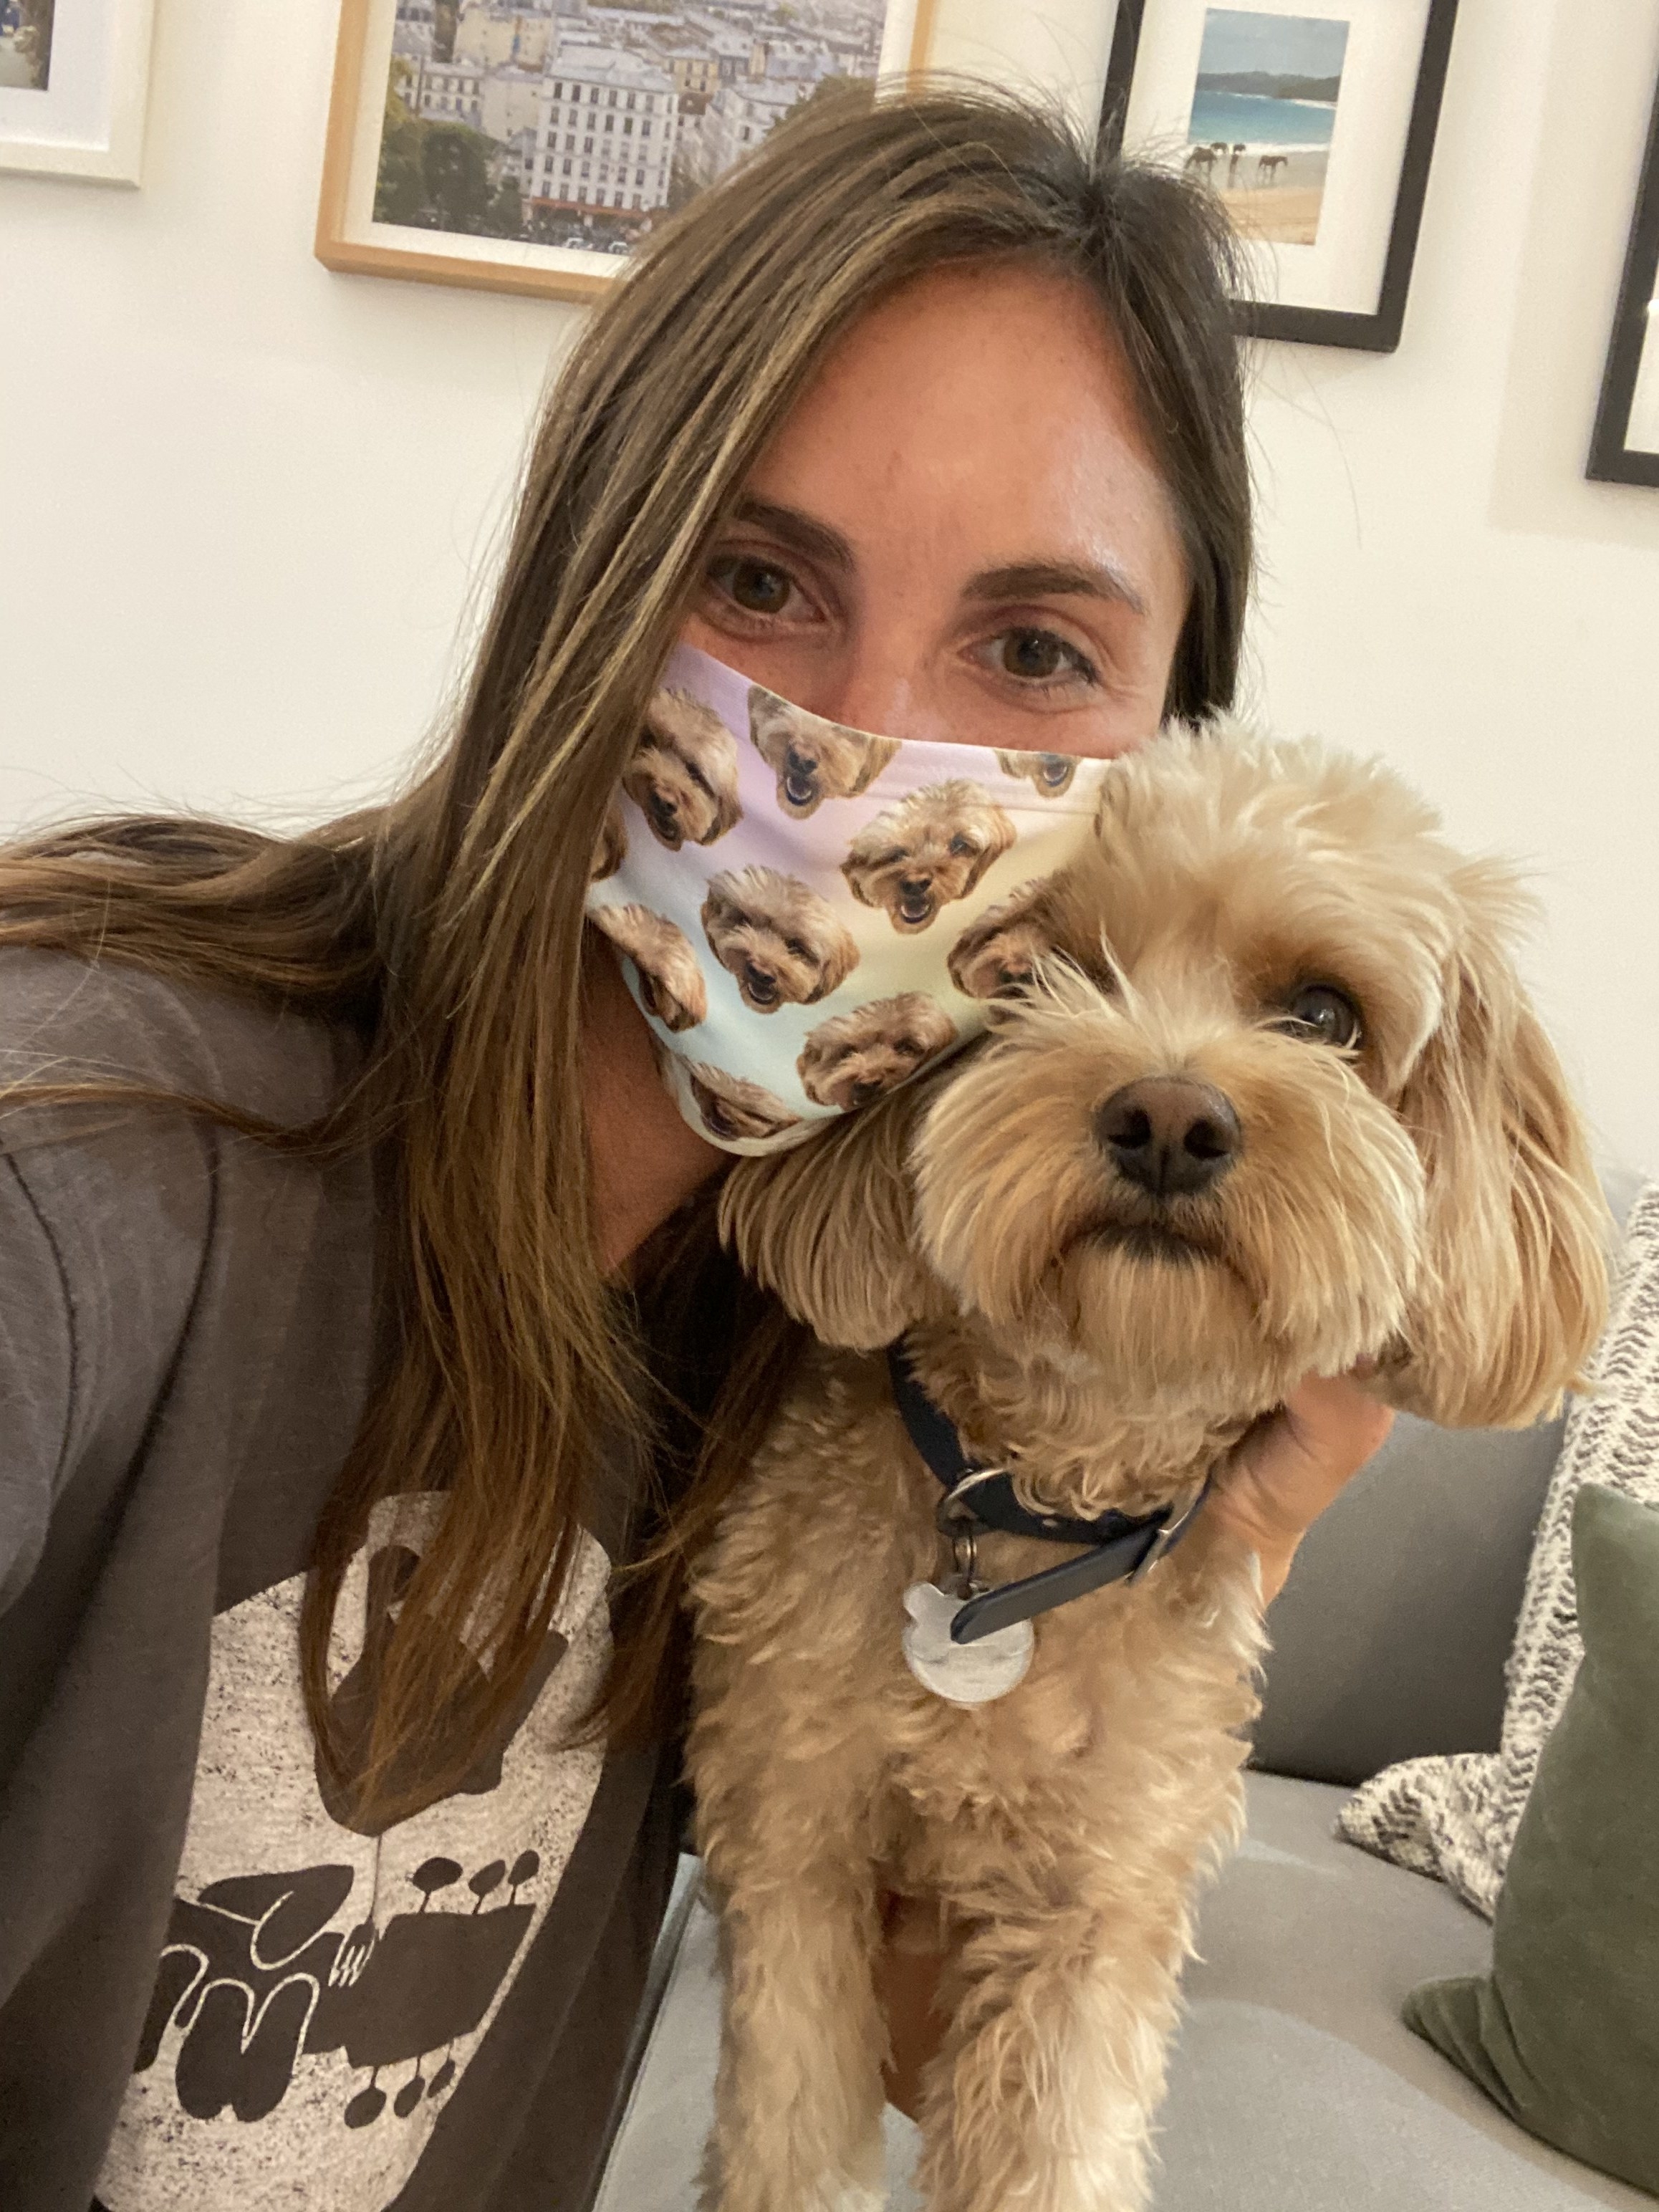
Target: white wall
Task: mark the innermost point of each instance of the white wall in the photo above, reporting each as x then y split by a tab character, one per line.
245	503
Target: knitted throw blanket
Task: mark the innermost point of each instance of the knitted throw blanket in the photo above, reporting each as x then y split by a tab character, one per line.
1456	1818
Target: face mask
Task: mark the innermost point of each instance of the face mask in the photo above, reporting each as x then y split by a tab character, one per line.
811	915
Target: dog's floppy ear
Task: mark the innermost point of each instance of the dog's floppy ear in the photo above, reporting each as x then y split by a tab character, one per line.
827	1226
1514	1289
1002	835
876	755
719	907
659	718
840	958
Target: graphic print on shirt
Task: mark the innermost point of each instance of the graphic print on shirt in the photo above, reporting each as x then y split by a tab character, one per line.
313	2011
254	1978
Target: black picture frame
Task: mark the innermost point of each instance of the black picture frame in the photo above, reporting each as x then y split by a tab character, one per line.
1613	458
1380	331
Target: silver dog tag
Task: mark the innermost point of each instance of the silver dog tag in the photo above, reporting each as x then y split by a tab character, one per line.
961	1674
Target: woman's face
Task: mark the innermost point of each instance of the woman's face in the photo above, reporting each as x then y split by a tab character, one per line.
960	532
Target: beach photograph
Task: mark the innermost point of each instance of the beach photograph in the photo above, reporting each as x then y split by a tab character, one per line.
25	44
1264	109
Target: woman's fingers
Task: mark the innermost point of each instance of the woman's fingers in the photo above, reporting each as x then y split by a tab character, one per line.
1293	1464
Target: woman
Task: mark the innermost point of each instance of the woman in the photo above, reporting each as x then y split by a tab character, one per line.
332	1397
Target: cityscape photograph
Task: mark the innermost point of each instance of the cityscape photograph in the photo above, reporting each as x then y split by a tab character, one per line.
562	123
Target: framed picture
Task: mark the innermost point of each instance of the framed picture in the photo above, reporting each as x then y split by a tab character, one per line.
1314	121
523	146
73	78
1624	444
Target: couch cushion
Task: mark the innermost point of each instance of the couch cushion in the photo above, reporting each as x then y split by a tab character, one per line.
1565	2033
1295	2085
1390	1639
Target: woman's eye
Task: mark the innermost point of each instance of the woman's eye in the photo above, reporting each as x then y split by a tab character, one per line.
1038	656
1321	1011
754	585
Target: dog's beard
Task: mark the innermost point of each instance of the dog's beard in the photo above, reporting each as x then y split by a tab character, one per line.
678	809
813	762
799	784
913	892
859	1076
768	974
1299	1259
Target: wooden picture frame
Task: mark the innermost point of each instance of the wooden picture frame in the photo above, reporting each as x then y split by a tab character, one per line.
351	237
1358	298
1625	442
74	87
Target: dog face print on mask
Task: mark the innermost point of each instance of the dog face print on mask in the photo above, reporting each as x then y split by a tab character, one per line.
683	775
810	915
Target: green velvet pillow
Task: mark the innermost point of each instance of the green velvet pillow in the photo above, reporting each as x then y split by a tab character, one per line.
1564	2032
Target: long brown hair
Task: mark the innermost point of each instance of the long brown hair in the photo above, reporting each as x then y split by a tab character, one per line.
447	925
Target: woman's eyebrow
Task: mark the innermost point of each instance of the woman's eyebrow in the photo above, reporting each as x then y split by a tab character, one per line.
816	540
1041	580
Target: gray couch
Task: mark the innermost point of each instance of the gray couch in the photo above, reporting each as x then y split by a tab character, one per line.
1295	2087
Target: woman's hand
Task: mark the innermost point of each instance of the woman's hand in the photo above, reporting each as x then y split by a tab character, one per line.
1291	1466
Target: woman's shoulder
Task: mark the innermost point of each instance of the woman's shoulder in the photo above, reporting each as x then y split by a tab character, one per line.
127	1233
66	1018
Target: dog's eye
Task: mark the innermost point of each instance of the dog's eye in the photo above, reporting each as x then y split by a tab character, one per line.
1322	1012
794	944
962	846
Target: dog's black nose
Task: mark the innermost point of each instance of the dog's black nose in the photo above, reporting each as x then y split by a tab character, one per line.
1169	1133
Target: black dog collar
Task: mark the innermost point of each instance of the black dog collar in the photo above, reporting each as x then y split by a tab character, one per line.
1123	1546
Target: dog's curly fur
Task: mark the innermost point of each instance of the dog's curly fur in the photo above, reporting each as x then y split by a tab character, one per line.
813	760
783	943
855	1057
928	850
1423	1200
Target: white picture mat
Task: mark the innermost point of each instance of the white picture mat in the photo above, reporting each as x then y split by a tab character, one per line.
1343	272
89	121
1642	431
360	227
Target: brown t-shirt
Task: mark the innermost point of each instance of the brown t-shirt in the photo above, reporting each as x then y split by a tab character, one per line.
216	1990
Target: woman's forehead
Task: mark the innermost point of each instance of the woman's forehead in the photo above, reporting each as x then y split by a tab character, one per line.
985	418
